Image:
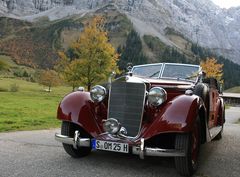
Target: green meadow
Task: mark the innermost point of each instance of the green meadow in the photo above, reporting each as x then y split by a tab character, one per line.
27	106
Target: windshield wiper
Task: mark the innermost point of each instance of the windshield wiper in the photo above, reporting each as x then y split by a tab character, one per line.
154	74
192	76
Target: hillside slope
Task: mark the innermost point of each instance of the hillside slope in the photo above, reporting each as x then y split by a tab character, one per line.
199	20
37	44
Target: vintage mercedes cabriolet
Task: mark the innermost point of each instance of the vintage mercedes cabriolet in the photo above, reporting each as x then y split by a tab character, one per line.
162	109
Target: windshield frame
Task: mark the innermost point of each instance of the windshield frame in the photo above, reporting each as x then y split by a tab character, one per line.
160	76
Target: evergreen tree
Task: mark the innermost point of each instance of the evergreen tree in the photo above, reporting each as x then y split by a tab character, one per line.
132	52
171	55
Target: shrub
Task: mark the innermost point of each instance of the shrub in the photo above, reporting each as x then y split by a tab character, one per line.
17	73
25	74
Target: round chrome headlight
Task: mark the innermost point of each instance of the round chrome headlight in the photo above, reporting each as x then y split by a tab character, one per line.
111	126
157	96
98	93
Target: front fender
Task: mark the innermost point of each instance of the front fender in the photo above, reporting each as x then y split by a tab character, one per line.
77	108
178	115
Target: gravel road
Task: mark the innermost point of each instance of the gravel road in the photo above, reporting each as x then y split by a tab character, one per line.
36	154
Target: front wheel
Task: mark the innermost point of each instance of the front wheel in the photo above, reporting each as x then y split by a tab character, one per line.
190	144
69	129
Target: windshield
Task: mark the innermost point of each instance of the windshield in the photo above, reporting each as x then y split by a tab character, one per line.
168	71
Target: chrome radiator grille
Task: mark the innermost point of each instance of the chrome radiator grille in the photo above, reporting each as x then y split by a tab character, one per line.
126	105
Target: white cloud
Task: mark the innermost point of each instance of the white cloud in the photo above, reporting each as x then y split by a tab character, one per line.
227	3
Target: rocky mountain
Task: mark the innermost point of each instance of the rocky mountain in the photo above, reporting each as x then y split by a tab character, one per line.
199	21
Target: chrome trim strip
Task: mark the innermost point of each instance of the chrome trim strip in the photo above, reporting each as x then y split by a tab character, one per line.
161	71
158	152
76	142
176	87
144	99
109	95
142	150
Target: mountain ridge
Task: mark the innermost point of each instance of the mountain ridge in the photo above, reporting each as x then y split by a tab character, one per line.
201	21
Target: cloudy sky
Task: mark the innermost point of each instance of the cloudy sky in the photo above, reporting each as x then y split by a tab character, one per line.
227	3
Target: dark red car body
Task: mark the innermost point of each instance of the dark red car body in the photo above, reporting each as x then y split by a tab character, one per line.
177	115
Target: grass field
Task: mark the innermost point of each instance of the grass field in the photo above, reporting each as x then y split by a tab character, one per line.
29	108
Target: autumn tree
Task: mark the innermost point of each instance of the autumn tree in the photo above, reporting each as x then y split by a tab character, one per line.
212	68
49	78
69	71
93	58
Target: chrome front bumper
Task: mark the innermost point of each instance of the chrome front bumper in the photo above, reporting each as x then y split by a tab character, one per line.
142	151
76	141
158	152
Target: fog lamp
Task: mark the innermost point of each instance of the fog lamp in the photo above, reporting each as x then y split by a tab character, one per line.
111	126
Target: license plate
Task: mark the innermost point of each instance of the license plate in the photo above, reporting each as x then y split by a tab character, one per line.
110	146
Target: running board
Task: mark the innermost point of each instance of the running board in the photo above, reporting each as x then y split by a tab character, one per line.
214	131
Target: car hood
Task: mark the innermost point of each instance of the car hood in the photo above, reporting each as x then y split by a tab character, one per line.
166	83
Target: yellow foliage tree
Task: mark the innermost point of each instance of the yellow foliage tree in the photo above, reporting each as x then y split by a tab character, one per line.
94	57
72	73
49	78
212	69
